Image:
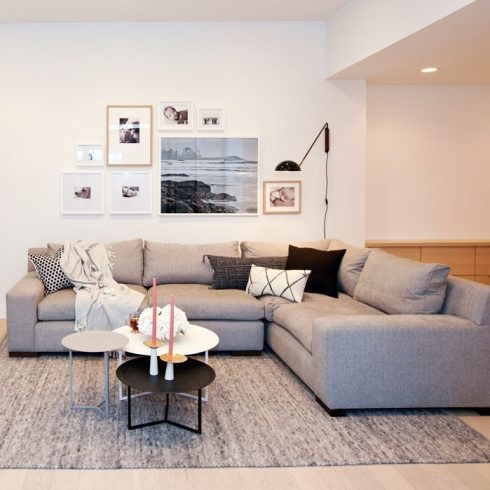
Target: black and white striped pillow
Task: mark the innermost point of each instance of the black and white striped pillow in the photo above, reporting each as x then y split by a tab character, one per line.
49	270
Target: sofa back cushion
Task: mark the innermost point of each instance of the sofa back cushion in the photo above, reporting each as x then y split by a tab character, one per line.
127	260
468	299
277	249
401	286
351	266
35	251
175	263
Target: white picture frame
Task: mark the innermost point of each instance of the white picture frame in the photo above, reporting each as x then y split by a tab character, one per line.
281	197
233	182
175	115
129	135
89	155
211	119
82	192
130	192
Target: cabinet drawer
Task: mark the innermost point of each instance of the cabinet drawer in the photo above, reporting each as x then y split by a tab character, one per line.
460	259
412	253
482	261
483	279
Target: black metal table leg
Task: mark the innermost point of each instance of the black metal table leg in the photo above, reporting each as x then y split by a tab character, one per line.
167	401
129	407
199	410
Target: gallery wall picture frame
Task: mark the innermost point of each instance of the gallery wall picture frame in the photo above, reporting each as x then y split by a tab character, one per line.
82	192
281	197
129	135
211	119
130	192
175	115
212	176
89	155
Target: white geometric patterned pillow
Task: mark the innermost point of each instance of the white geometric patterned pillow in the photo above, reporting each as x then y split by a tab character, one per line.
49	270
289	284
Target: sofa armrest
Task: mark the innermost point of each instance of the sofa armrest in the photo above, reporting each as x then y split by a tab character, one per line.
382	361
22	303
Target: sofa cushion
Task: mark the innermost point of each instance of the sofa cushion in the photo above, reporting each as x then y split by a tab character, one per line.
61	305
298	319
201	302
126	260
49	270
172	263
233	272
277	249
324	268
351	266
402	286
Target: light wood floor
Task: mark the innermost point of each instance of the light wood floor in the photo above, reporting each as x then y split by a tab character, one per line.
390	477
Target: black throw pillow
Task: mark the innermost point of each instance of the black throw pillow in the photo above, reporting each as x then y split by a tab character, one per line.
233	272
324	267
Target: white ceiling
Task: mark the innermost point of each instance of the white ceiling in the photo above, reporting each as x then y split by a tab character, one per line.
459	45
166	10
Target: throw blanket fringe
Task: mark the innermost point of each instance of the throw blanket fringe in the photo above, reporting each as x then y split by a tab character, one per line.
101	303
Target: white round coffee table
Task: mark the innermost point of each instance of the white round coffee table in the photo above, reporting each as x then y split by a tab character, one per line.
92	341
195	340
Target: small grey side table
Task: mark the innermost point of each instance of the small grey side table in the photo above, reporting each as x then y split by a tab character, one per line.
93	341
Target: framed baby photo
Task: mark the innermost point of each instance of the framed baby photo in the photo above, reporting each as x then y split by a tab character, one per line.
209	119
130	193
82	193
282	197
175	115
89	155
129	134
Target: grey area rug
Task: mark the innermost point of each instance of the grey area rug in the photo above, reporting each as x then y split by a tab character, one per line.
259	415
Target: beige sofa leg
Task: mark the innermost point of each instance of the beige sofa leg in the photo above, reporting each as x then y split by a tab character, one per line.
23	354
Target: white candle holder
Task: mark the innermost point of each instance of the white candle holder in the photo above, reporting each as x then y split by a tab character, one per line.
153	355
175	359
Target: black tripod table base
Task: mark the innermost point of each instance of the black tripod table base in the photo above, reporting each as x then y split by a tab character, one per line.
166	420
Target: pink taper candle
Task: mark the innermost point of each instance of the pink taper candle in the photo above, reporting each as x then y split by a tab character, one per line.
154	302
171	340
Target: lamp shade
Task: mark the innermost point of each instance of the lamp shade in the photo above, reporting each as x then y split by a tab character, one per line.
288	166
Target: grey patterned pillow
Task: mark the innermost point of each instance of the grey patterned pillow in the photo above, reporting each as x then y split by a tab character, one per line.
49	270
233	272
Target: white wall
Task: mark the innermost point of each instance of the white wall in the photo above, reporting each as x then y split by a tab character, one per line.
363	27
56	80
428	173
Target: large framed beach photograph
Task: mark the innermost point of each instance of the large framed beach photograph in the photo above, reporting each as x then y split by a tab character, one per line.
130	193
282	197
175	115
129	135
82	193
212	176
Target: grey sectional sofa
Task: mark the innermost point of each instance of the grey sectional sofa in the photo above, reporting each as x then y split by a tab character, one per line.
355	351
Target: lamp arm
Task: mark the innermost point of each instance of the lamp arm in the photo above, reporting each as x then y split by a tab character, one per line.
313	144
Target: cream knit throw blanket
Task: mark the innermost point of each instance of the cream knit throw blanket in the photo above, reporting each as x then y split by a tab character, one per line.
101	303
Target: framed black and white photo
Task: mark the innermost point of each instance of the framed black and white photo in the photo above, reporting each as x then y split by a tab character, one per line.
129	135
282	197
82	193
211	176
89	155
210	119
175	115
130	192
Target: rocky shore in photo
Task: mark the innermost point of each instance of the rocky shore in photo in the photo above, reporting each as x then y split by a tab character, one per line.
193	196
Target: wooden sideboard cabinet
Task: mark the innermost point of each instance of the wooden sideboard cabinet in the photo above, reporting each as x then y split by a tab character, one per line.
469	259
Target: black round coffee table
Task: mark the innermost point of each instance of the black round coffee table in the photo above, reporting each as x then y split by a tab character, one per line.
191	375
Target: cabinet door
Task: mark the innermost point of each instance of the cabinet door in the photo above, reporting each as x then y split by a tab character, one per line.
412	253
460	259
482	261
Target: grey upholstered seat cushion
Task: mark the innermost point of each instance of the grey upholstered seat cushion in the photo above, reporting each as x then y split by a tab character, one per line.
351	266
298	318
272	302
173	263
61	305
200	302
402	286
277	249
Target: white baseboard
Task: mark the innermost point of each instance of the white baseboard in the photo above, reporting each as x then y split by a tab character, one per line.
3	311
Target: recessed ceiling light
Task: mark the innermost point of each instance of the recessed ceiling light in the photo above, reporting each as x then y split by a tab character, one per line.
429	69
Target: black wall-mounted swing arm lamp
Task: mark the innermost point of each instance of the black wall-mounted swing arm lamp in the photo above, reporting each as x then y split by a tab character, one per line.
290	166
